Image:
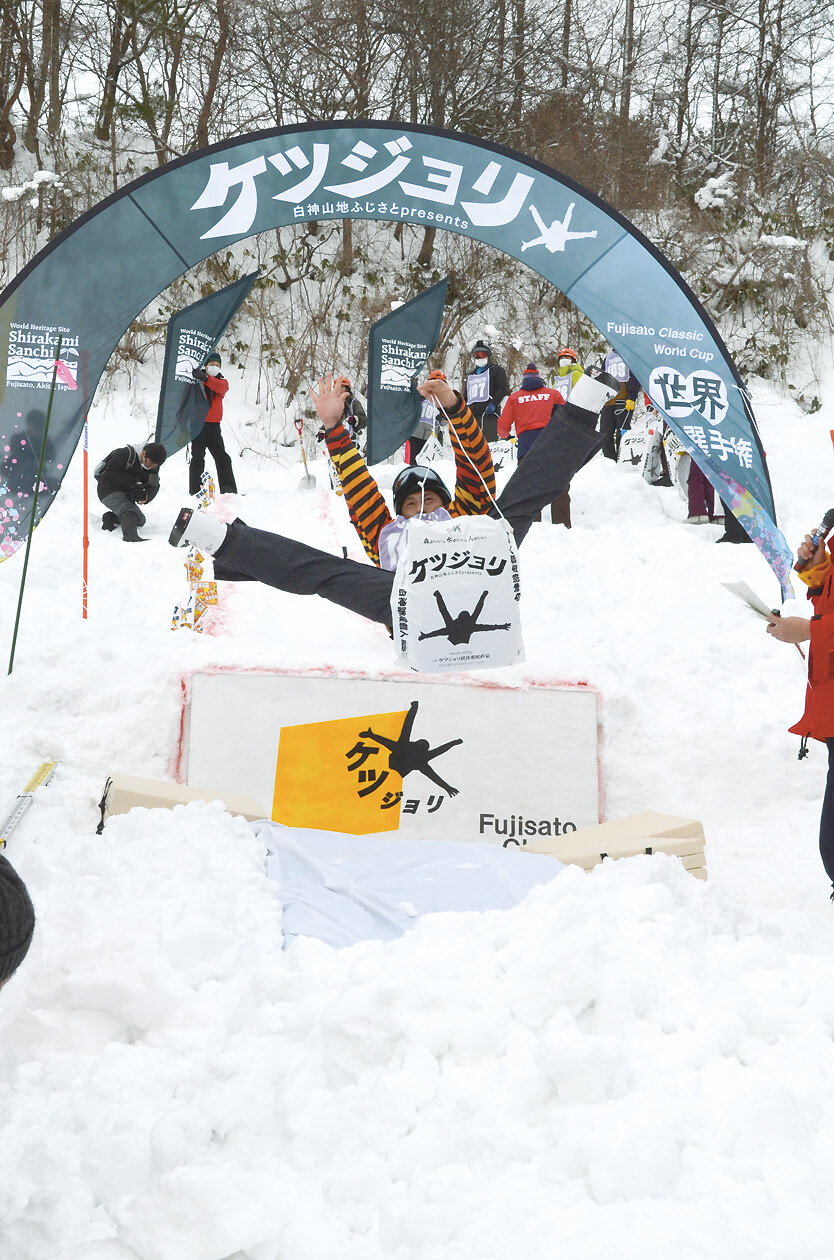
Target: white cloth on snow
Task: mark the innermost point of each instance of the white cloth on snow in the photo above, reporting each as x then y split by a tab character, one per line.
343	888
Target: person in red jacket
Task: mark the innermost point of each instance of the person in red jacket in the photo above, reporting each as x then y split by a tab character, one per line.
528	410
817	722
215	387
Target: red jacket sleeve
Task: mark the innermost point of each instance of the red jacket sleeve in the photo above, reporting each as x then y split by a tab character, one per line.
507	418
216	388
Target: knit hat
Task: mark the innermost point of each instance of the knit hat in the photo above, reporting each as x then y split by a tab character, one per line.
214	358
530	378
17	921
481	347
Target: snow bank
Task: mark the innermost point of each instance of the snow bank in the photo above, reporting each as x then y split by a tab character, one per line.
631	1063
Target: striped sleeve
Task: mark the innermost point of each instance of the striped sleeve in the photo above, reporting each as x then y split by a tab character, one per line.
473	464
368	510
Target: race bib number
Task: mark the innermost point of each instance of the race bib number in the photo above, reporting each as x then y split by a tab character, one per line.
477	387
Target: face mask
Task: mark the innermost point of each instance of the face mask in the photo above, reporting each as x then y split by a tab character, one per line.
480	359
212	369
564	362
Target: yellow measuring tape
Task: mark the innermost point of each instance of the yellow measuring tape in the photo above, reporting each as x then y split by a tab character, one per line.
24	800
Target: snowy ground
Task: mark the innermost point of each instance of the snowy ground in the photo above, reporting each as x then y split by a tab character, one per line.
630	1064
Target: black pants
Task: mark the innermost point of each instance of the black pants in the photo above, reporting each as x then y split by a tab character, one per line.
563	446
210	438
488	421
734	531
612	419
827	817
253	555
413	447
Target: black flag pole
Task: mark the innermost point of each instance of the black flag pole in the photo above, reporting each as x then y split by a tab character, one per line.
34	505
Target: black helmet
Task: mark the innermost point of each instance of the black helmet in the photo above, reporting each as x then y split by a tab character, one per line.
418	477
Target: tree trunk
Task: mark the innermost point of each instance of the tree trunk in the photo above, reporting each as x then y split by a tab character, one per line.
11	82
52	49
213	74
427	248
345	265
566	44
119	43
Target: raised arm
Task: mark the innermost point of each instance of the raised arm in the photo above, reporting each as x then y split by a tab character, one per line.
368	510
473	461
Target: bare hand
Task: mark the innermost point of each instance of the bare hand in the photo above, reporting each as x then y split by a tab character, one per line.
809	553
789	629
439	392
329	402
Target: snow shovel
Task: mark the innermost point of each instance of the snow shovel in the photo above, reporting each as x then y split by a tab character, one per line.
308	481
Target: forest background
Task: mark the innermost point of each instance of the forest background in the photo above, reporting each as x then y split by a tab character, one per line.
707	123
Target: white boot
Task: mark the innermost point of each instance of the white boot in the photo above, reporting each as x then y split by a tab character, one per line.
196	529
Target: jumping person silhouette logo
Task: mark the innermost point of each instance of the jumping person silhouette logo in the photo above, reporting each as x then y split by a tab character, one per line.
461	628
555	237
409	754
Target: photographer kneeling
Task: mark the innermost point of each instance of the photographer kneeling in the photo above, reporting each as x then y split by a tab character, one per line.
128	477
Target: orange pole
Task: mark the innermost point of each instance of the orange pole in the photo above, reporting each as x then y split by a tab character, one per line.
85	540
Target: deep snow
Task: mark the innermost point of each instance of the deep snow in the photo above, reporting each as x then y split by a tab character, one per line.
630	1064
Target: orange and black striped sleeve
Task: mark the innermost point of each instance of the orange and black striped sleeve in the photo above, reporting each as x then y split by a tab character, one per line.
368	510
475	484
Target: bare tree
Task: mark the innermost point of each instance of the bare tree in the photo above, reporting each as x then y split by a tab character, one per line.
12	44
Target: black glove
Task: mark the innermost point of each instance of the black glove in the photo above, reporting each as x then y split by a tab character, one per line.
199	374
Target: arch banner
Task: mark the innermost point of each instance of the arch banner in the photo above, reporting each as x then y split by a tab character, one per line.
92	280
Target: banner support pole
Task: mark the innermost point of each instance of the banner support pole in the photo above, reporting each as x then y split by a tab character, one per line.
34	504
85	534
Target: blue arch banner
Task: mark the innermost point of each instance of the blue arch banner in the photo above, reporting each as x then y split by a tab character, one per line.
91	281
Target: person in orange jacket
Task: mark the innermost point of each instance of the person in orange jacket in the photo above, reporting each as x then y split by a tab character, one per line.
817	722
215	387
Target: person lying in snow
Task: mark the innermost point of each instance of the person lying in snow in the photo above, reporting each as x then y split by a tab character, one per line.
243	554
418	490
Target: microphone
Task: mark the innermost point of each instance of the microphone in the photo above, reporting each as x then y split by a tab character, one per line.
817	535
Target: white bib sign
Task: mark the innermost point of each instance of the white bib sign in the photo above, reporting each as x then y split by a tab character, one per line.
455	599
